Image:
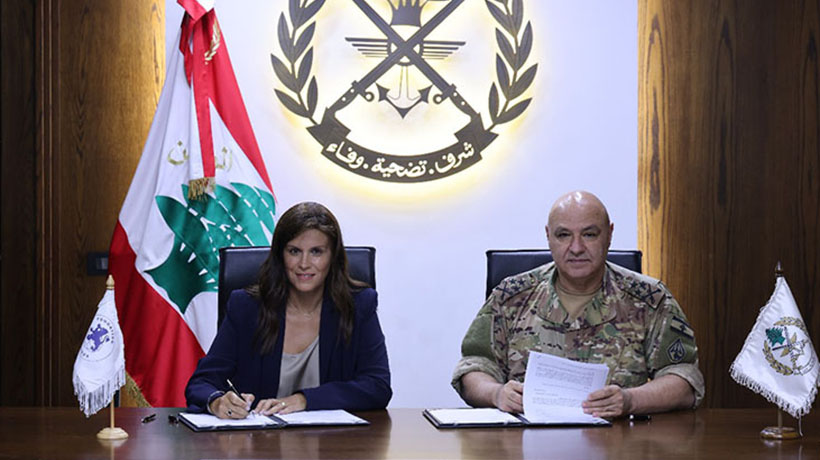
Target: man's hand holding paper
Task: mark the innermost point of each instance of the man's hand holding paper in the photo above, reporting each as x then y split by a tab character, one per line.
583	308
610	401
509	397
555	389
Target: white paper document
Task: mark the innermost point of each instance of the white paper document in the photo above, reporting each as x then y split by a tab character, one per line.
554	389
455	418
322	417
208	421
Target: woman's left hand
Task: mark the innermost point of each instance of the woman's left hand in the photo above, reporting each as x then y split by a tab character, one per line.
293	403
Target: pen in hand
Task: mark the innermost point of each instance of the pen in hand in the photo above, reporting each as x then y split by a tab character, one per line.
233	388
247	409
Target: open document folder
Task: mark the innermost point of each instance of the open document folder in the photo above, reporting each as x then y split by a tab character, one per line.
554	389
254	421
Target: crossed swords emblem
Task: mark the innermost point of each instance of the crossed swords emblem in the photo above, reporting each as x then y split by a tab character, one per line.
394	50
398	49
793	347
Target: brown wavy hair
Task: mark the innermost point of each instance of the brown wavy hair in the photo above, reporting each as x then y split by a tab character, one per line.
273	287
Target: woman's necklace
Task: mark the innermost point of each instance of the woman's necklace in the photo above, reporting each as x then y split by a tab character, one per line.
305	313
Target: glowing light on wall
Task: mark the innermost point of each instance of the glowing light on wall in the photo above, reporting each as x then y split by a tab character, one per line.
395	94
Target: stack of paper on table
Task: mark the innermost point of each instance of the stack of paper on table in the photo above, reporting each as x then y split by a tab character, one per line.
554	389
208	422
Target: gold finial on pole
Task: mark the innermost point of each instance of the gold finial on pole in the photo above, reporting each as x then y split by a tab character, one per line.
109	283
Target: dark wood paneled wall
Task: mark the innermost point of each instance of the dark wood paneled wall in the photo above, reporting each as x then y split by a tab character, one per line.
729	166
18	125
81	80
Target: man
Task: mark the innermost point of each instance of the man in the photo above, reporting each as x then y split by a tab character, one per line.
585	309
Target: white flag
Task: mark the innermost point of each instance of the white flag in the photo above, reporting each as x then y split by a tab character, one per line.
778	359
99	370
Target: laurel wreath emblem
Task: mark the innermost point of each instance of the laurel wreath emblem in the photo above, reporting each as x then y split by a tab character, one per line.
514	38
776	365
513	56
790	321
295	44
767	351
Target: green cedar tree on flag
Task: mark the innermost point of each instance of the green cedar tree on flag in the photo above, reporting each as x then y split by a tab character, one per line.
200	185
778	359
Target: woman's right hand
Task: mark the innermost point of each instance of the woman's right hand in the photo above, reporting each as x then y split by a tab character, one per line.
230	405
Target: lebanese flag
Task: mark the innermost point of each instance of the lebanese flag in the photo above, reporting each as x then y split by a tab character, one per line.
200	185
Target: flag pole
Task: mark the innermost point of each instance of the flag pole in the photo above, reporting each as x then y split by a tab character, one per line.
779	432
111	432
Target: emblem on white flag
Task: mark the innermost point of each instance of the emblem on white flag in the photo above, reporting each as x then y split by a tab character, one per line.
99	370
778	360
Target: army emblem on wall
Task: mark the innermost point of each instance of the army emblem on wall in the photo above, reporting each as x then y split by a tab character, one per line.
422	126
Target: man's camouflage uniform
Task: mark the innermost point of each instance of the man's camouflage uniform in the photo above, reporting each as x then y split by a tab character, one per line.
633	325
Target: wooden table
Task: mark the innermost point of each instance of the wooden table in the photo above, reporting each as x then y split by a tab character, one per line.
63	433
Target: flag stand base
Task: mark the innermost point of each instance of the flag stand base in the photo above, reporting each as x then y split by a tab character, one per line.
112	433
779	433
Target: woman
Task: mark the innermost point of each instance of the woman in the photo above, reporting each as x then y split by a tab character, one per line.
305	337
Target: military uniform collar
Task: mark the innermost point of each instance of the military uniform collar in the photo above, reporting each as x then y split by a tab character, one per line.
597	311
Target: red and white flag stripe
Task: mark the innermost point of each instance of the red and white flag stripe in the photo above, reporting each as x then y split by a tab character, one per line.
200	134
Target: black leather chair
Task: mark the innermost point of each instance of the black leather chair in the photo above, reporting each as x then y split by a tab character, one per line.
502	263
239	267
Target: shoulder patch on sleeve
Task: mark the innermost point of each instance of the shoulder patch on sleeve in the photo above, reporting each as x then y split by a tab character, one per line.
676	351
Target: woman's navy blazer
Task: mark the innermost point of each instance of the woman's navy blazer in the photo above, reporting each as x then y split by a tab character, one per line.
353	376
